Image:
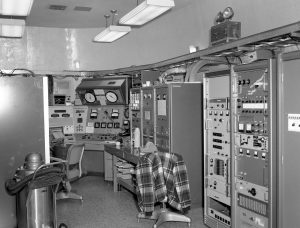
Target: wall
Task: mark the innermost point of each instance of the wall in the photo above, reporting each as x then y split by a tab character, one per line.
54	49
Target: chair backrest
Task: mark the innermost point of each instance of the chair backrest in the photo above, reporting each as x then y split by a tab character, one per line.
74	156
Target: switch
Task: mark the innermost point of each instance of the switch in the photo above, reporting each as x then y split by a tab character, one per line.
248	128
241	127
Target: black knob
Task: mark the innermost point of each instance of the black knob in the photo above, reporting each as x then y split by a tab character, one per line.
252	191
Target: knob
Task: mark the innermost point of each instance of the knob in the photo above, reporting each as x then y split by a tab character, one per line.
252	191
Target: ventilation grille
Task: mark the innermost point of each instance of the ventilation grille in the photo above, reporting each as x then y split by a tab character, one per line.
254	205
57	7
210	222
82	8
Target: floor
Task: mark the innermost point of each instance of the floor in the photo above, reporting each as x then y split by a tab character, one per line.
103	208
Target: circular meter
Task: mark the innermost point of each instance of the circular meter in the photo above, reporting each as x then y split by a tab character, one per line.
111	96
89	97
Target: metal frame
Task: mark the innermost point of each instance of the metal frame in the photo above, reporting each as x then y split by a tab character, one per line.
272	151
214	72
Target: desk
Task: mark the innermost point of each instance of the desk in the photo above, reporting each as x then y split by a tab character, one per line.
125	154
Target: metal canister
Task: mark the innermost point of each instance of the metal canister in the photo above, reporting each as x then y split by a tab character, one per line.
35	207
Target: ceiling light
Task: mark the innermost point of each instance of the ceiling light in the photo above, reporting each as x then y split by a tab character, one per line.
112	33
13	28
15	7
146	11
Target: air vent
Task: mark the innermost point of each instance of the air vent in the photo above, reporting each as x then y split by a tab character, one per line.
82	8
57	7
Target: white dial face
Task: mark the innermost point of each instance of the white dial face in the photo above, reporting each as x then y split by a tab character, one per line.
89	97
111	96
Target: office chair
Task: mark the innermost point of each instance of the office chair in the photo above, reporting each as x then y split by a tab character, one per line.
164	215
72	167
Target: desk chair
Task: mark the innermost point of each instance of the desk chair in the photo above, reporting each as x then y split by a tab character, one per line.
164	215
73	171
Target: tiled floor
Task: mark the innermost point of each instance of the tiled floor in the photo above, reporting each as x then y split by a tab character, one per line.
103	208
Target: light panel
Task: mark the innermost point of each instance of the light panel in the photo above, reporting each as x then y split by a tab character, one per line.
112	33
15	7
146	11
12	28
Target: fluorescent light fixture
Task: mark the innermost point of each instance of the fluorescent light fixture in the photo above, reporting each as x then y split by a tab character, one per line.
15	7
12	28
146	11
112	33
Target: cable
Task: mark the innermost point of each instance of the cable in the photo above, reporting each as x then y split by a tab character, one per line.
43	176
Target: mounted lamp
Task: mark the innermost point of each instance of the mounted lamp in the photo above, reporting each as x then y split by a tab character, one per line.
146	11
112	32
15	7
12	28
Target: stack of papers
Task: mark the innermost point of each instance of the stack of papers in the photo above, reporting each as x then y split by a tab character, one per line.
125	169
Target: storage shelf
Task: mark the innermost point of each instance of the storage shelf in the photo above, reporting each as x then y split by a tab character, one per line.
127	183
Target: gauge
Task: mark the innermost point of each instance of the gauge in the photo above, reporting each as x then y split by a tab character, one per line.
89	97
111	96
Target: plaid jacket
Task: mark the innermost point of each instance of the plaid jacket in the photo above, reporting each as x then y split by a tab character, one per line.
151	186
176	179
159	175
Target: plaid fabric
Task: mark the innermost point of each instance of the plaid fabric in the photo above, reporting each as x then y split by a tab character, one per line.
176	178
159	175
151	187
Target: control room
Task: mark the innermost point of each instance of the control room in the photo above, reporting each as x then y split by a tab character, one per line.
154	113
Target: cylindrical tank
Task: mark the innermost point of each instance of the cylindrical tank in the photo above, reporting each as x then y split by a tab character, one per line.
35	207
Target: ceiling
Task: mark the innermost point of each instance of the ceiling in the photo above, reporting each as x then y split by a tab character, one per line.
79	13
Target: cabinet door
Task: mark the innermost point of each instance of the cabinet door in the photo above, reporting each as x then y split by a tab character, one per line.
21	132
290	146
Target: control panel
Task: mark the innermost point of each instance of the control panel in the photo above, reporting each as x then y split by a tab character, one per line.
135	107
104	91
217	147
60	116
162	119
80	117
135	115
101	122
254	154
148	111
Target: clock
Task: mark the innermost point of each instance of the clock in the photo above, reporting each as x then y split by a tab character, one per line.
111	96
89	97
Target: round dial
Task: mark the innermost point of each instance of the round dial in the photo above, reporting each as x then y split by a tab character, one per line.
111	96
89	97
